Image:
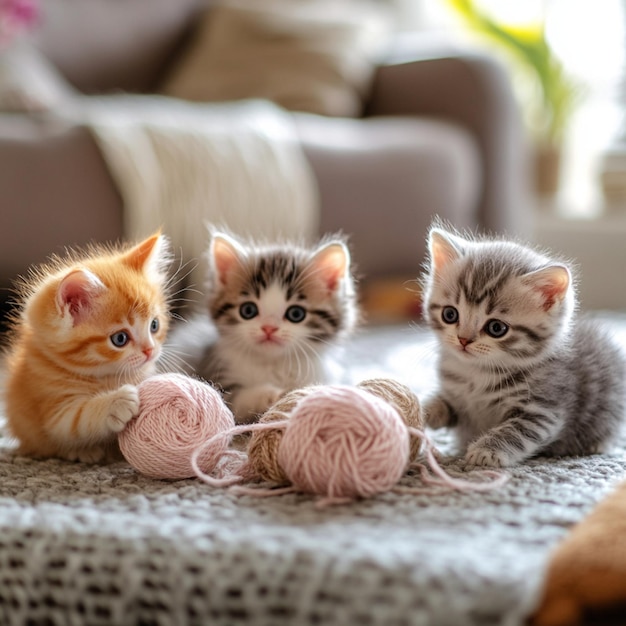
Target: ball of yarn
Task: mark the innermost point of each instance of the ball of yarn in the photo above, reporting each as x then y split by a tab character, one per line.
263	445
176	413
403	400
344	442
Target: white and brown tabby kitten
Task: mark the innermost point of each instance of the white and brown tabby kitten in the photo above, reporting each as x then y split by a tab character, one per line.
276	314
519	375
90	328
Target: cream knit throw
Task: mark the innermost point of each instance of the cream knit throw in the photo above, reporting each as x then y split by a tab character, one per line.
182	166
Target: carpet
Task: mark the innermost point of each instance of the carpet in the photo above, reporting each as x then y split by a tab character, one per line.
103	545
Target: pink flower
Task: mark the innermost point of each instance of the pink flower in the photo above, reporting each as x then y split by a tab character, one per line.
15	17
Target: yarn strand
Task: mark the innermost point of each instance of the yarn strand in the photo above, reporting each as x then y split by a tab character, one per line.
445	480
224	438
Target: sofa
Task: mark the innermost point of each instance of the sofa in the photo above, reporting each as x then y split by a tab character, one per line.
438	133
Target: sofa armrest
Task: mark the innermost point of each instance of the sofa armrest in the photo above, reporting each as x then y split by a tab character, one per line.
56	192
471	89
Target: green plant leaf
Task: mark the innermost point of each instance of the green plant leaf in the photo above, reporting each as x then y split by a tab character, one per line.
529	46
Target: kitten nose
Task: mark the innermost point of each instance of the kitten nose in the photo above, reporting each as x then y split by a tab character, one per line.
464	341
269	330
148	352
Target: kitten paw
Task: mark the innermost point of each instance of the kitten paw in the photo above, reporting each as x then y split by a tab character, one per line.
124	405
437	414
268	396
487	457
250	403
86	455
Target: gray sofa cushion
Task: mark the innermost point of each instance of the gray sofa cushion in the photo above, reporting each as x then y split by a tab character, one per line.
395	173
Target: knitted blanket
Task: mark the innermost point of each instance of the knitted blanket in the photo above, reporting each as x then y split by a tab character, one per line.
586	581
102	545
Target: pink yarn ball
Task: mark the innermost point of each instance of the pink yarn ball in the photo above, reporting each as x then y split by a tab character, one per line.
176	414
343	442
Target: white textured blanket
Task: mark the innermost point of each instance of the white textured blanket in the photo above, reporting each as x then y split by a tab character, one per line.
101	545
176	163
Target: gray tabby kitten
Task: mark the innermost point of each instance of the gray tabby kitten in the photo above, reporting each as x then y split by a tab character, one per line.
519	376
276	315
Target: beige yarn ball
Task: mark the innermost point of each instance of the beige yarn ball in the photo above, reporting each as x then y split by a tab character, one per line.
404	401
263	445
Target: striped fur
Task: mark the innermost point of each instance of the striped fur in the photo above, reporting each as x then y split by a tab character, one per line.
519	374
277	314
70	388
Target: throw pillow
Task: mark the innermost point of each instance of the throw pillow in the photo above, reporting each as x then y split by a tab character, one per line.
316	56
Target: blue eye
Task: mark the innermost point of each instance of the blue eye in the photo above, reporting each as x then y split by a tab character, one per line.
295	314
248	310
119	339
496	328
449	315
154	325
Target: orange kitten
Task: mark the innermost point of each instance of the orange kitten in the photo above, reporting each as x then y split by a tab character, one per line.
90	329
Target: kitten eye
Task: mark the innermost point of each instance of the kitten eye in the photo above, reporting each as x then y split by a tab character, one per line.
154	325
449	315
248	310
295	313
119	339
496	328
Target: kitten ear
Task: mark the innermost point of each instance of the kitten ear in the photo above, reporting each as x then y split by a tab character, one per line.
551	282
444	248
330	264
77	293
149	256
226	255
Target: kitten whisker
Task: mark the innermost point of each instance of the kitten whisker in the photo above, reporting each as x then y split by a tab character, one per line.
172	349
300	350
171	361
177	276
176	285
172	297
120	374
183	301
177	316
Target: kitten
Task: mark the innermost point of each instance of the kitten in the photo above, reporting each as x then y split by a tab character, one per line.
275	315
519	376
90	329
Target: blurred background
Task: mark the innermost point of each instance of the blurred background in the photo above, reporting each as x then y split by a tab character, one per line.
497	115
579	199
